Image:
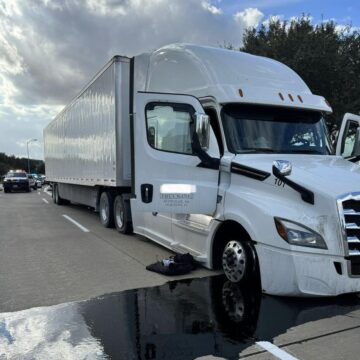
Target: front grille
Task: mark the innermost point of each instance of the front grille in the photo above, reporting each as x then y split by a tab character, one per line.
351	212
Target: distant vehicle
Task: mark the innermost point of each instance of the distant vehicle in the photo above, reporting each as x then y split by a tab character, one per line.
17	180
32	181
43	179
38	180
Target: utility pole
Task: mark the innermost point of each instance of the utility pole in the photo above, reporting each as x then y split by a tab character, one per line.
27	148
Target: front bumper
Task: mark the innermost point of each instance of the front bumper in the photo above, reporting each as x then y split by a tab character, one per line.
16	185
289	273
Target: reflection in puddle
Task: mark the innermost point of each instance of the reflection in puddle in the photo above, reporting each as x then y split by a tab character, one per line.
179	320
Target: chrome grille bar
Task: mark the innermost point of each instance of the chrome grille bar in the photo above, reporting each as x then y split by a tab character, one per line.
349	211
352	226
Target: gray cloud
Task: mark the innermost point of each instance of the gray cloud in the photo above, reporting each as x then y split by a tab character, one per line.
49	49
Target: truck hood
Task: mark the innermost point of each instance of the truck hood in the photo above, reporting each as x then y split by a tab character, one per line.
330	174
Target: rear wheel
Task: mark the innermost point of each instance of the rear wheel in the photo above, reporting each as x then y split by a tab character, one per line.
56	197
6	190
238	260
106	212
53	193
122	215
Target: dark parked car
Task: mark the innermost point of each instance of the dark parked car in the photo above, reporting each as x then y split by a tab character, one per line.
18	180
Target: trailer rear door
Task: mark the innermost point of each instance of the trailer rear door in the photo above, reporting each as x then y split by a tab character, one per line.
168	177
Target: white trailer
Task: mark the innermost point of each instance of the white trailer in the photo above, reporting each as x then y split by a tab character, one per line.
221	154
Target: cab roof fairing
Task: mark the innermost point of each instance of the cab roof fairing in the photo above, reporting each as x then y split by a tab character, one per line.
207	71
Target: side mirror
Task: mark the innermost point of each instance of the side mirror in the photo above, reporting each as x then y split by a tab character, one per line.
282	167
202	129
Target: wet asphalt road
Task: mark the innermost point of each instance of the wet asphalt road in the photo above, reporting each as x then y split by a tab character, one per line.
46	259
48	264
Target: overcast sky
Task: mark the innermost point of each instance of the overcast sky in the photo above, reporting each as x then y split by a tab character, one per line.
49	49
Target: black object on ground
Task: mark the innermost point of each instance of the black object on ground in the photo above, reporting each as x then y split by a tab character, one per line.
178	264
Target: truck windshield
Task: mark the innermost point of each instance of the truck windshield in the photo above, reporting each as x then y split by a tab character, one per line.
261	129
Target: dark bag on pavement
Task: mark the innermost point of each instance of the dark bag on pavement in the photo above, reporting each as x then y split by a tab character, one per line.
179	264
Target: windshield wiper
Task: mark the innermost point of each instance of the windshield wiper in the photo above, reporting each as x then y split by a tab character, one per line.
306	151
259	150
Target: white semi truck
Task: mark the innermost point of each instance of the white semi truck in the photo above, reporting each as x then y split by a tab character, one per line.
221	154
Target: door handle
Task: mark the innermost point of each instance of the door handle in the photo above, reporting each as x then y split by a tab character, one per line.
146	193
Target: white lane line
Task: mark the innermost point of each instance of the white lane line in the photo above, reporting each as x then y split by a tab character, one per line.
38	192
273	349
45	201
83	228
47	192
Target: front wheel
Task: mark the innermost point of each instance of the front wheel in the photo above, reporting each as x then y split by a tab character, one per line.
238	261
122	215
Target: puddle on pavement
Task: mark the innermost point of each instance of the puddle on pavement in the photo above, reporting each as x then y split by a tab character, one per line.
179	320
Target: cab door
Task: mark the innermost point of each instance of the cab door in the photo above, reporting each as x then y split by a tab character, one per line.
169	177
349	138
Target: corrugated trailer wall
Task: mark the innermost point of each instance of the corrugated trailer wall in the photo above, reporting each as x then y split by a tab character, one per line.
84	144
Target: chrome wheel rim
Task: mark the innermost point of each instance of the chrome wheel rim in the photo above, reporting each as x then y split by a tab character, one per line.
104	209
119	215
234	261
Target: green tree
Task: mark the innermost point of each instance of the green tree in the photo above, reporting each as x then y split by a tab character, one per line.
14	163
327	57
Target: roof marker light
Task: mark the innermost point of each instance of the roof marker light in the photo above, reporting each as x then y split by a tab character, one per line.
300	98
241	93
281	96
290	97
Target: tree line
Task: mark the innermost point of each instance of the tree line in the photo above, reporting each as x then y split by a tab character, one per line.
8	163
326	56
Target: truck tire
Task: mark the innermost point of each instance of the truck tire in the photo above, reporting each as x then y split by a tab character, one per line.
238	260
57	199
53	193
106	209
6	190
122	215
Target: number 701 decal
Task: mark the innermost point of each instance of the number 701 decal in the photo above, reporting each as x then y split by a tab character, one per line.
279	182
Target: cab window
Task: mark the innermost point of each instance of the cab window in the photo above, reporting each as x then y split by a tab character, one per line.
349	139
170	127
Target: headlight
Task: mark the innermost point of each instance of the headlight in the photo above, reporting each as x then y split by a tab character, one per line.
300	235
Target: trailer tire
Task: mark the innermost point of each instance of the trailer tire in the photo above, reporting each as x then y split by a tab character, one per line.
57	199
53	193
239	260
122	215
106	209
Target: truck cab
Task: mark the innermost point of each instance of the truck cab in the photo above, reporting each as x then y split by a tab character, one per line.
258	189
